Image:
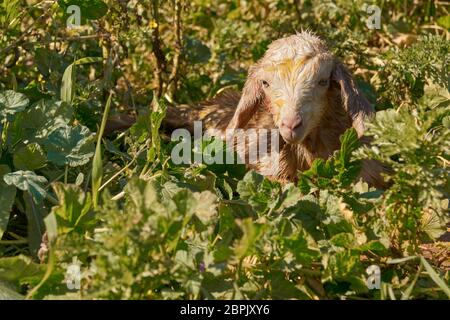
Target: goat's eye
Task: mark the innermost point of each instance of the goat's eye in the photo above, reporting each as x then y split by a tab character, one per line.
265	84
323	82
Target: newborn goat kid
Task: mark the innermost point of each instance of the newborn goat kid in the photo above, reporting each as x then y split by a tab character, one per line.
299	87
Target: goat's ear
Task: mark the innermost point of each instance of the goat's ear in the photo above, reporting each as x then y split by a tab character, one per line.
352	98
252	96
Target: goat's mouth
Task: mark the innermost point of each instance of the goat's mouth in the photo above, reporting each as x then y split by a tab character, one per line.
292	128
295	136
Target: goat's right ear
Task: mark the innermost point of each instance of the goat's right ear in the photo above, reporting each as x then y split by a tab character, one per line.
251	98
353	100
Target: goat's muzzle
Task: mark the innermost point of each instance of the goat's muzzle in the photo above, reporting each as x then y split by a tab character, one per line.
291	129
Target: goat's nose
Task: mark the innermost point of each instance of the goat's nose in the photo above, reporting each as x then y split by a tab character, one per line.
291	123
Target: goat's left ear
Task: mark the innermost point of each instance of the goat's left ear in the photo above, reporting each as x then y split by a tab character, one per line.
353	100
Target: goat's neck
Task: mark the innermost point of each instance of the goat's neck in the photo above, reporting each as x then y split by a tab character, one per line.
320	143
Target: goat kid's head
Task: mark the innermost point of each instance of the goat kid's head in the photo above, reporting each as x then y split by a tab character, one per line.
294	79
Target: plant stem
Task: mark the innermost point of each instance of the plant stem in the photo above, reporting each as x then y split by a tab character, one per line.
66	173
173	78
157	51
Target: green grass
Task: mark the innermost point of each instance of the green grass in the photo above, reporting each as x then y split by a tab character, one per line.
141	227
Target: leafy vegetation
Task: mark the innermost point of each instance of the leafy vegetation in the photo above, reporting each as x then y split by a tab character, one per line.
74	192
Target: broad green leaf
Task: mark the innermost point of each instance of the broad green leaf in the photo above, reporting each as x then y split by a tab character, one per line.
304	250
282	288
35	123
341	265
334	220
211	148
12	102
7	196
251	233
142	194
338	171
72	146
290	197
205	180
185	204
262	194
249	185
27	181
307	212
29	157
74	210
206	209
20	269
